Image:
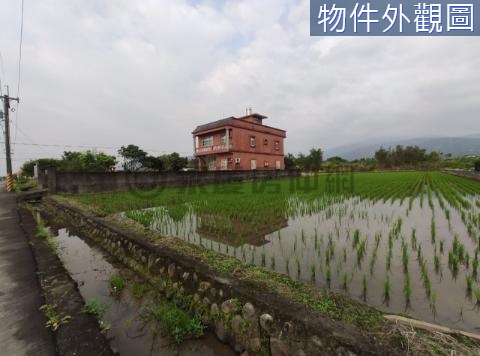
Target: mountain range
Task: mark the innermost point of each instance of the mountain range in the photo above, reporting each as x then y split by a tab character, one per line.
456	146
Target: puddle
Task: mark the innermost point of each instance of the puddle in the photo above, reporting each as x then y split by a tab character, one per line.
91	268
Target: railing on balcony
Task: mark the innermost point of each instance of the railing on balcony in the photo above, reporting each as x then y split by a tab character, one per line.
214	148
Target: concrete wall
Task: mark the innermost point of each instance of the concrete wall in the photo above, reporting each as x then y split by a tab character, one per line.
94	182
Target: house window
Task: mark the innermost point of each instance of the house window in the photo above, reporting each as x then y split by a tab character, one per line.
277	145
224	164
266	164
224	139
265	141
207	141
277	165
253	141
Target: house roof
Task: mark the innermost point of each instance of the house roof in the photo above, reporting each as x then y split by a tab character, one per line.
229	120
212	124
258	116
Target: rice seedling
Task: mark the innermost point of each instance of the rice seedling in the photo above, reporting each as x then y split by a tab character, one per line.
364	287
386	288
426	279
361	247
436	261
413	239
469	280
272	262
475	265
405	256
433	231
297	261
407	288
345	281
328	276
477	295
264	258
312	271
287	264
441	246
389	259
356	238
419	254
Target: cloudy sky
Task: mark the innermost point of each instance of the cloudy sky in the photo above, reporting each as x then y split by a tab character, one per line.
106	73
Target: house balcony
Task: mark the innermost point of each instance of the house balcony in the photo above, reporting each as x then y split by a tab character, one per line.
208	150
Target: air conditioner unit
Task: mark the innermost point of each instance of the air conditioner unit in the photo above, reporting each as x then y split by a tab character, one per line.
237	160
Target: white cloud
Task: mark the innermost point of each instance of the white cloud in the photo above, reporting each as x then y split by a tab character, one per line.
109	73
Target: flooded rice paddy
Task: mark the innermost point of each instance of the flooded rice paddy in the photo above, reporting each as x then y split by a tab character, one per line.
404	244
127	331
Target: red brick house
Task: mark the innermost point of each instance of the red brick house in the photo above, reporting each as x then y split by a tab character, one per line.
239	143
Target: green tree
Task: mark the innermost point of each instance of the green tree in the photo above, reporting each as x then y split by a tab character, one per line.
132	156
27	168
72	161
290	161
477	166
88	161
382	156
153	163
174	162
314	159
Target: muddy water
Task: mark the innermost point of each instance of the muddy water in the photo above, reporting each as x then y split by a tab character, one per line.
297	246
91	268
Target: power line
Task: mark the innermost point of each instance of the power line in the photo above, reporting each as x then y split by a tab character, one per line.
19	72
20	52
88	147
4	77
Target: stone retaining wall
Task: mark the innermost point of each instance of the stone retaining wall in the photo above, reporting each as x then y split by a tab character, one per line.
258	322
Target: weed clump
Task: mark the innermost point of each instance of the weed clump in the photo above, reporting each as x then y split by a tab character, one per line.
117	283
177	323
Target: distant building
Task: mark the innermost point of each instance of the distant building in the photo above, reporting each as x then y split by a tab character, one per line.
239	143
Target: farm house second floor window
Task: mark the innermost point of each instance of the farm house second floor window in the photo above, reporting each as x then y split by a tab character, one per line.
265	141
253	141
223	139
207	141
277	145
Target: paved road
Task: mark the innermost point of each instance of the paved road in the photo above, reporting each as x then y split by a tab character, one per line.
22	325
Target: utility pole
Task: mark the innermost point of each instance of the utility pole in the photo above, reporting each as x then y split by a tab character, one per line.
6	109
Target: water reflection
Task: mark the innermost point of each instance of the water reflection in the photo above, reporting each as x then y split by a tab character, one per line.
337	243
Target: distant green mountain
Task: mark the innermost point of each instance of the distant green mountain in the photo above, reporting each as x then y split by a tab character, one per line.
457	146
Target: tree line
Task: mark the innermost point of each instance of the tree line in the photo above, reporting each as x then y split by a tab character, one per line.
134	159
312	161
412	156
